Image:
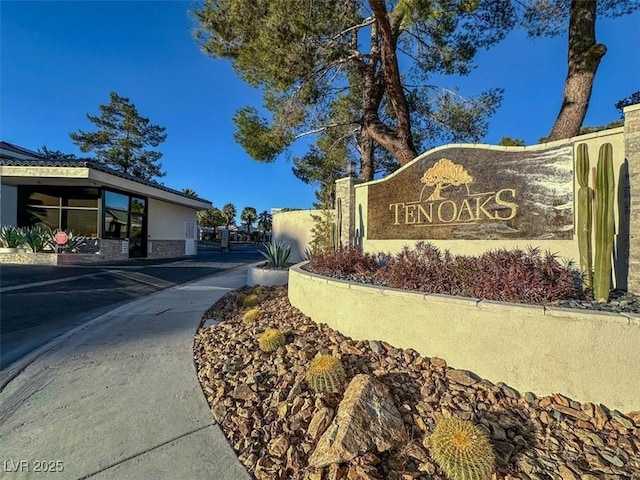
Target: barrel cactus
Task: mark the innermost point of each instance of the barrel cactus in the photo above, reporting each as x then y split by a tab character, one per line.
251	315
251	301
325	374
271	340
462	450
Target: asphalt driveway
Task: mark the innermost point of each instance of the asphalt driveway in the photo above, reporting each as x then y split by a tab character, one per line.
39	303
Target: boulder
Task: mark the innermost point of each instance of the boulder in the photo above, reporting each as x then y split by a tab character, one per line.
366	421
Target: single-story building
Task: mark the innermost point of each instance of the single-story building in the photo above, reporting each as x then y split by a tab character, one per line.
126	217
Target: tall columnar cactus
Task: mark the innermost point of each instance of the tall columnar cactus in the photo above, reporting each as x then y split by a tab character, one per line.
585	214
462	450
338	237
325	373
604	223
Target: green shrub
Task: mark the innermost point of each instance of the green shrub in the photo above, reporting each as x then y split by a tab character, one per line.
462	450
323	233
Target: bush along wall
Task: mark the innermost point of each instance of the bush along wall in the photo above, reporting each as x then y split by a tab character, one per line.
503	275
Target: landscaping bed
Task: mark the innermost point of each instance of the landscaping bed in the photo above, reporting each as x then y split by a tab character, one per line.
274	420
515	276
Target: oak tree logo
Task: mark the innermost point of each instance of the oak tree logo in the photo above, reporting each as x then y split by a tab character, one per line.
444	173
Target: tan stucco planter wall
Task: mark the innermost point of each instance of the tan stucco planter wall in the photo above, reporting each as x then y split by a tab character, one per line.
591	357
266	277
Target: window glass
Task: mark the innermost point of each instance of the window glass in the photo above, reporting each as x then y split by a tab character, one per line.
81	197
81	222
49	217
115	223
116	201
136	225
138	205
43	197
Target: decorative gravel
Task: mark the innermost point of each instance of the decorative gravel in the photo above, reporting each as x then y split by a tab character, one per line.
267	411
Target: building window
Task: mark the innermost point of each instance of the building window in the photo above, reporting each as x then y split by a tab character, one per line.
72	209
116	215
125	217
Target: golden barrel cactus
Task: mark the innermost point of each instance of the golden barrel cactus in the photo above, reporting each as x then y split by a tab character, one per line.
325	374
271	340
251	301
462	450
251	315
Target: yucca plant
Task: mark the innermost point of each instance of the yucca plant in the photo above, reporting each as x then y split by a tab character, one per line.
276	254
11	237
462	450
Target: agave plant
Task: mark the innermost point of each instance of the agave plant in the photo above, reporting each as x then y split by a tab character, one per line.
11	237
37	238
276	254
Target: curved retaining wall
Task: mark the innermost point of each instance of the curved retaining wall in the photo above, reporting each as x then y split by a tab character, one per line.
591	357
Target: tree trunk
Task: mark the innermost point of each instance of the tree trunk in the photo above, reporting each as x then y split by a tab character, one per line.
400	142
584	58
367	148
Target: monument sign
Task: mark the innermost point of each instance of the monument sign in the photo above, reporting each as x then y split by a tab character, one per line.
476	193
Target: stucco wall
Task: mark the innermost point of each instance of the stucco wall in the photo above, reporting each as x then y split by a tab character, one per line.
591	357
294	228
8	205
567	249
167	220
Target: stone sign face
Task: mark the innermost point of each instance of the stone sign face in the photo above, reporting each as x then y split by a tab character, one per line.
476	193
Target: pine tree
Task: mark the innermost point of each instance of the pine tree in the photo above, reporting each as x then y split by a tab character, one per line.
121	139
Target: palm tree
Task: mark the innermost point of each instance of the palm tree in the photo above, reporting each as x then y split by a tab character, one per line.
229	214
265	221
190	192
248	216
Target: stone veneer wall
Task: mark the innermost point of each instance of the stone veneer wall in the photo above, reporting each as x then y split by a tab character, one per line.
345	192
166	249
23	258
632	153
112	250
589	356
109	250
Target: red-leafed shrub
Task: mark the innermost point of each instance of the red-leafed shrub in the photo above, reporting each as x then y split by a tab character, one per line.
505	275
344	261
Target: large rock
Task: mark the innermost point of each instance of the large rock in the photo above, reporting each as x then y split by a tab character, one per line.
367	421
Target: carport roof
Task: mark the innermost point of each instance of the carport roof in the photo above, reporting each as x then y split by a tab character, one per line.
15	156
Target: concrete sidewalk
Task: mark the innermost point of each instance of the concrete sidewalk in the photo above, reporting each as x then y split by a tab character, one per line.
121	399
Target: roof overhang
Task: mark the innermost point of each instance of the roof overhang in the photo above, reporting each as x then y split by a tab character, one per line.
86	176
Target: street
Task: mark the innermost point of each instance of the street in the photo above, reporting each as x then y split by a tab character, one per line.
39	303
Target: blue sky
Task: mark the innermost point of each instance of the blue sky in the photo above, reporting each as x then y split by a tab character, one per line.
59	61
